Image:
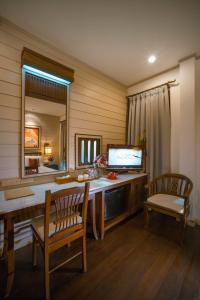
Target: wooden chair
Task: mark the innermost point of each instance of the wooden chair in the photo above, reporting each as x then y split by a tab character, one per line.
33	166
169	194
64	221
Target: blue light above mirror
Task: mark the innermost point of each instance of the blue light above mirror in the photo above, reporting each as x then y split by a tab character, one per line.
45	75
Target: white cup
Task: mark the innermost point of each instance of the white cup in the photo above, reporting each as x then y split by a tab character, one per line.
85	176
80	177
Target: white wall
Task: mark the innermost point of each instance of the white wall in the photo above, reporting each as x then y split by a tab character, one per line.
187	117
185	122
175	108
197	137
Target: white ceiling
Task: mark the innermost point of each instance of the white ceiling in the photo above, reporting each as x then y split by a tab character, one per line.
44	107
115	37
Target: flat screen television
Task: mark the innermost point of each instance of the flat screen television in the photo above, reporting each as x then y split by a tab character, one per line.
125	157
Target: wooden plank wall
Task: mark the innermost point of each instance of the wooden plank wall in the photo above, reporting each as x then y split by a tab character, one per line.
97	104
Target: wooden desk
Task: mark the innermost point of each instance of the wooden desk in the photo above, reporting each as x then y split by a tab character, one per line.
20	209
134	202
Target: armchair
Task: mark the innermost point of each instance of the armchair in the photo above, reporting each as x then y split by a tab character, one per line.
169	194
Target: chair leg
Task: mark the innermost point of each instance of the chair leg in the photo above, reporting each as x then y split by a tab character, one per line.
34	252
46	276
183	225
146	217
84	259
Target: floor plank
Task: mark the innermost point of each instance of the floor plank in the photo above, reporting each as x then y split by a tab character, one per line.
130	263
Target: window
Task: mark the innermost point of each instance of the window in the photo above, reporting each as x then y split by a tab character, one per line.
87	147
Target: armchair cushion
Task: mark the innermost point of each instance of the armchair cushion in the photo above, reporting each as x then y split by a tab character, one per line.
171	202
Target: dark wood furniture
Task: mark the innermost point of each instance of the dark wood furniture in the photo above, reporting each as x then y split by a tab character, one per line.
14	211
130	264
136	195
33	166
169	195
64	222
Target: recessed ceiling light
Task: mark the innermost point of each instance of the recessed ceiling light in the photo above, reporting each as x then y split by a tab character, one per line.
151	59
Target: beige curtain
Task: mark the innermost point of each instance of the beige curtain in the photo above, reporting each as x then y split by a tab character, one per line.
149	119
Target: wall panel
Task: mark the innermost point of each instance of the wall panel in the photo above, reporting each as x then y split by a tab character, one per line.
9	64
10	76
10	101
9	113
97	103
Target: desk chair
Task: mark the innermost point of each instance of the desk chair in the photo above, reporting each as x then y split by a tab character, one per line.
32	168
64	221
169	195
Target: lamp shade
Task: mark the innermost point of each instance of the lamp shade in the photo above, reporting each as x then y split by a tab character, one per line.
47	149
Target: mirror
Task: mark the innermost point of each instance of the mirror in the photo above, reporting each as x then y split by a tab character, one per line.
44	140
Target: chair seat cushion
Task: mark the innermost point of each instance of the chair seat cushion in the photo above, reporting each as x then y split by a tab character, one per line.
38	224
171	202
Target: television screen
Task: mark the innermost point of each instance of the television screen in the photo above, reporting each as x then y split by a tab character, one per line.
124	157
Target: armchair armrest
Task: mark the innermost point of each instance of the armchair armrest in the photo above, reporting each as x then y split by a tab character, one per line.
186	194
186	200
150	187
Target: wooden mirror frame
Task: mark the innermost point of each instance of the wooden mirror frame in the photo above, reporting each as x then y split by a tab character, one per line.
22	162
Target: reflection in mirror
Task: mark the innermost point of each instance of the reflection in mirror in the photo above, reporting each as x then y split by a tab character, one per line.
44	136
45	131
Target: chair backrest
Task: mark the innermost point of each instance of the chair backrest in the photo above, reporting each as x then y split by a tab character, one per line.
65	212
34	163
32	167
173	184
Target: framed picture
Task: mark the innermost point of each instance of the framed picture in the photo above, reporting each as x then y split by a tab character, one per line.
32	137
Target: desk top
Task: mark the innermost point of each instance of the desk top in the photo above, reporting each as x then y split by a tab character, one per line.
101	184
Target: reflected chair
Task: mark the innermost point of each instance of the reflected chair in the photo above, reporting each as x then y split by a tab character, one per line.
169	194
32	168
64	221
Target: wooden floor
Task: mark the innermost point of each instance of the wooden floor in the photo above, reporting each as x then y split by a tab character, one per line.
131	263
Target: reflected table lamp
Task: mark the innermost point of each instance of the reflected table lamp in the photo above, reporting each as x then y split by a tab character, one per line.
47	149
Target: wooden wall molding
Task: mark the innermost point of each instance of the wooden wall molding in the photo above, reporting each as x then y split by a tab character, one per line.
36	60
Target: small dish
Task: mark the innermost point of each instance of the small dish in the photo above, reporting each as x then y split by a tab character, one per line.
112	175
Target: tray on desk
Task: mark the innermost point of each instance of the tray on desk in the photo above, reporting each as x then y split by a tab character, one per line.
86	180
61	180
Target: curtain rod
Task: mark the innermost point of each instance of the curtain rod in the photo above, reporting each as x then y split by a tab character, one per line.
166	83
